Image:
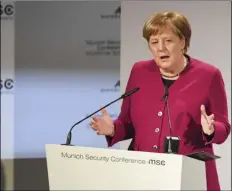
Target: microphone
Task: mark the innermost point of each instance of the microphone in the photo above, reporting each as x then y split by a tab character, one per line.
171	143
69	136
166	94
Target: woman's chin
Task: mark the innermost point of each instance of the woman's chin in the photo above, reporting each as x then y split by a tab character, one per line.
164	65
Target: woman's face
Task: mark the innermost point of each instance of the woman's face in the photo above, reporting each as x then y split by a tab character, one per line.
166	48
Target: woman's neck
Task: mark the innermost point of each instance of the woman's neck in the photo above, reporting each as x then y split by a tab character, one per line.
174	73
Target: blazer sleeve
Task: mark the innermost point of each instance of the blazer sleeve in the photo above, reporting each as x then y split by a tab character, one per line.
123	125
218	106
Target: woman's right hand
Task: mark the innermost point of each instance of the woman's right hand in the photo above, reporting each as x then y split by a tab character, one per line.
103	125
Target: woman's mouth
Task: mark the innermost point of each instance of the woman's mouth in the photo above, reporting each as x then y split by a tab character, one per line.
163	58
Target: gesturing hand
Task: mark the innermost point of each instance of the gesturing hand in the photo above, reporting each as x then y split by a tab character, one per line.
207	122
103	125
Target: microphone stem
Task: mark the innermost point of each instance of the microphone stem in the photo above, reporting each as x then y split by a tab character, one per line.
169	120
170	127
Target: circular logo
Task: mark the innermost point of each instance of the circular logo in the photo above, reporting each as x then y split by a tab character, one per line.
7	10
7	84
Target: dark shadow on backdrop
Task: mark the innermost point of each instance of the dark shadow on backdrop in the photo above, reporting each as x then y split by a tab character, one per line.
31	174
3	177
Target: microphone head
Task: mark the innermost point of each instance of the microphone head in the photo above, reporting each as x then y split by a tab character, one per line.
166	92
130	92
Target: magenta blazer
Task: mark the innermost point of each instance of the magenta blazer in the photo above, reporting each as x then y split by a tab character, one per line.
144	119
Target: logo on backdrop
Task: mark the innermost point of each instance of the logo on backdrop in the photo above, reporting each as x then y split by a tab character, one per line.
102	47
118	10
7	85
117	84
7	11
114	15
114	88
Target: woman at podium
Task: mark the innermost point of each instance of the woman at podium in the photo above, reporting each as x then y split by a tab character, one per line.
179	97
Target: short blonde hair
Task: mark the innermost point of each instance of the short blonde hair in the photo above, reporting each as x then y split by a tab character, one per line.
176	21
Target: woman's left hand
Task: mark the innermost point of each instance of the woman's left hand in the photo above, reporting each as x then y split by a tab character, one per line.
207	122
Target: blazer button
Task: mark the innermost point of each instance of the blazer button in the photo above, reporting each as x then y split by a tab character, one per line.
157	130
155	147
160	113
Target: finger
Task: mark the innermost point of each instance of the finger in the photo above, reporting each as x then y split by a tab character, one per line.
95	127
95	118
211	117
104	112
212	123
203	112
91	123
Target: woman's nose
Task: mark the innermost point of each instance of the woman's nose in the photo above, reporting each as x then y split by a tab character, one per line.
161	46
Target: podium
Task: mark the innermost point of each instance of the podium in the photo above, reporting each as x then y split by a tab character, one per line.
85	168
